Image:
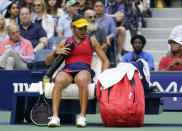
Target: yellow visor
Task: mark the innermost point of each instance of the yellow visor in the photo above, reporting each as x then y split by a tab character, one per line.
80	23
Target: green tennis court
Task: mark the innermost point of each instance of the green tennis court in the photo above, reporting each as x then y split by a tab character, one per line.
168	121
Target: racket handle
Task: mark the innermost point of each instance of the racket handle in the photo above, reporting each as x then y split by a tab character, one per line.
58	61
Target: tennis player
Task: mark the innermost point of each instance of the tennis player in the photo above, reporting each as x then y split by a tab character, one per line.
77	68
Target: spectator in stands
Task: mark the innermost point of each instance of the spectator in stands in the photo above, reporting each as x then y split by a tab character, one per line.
3	34
90	3
41	17
31	31
140	12
12	14
138	42
64	23
116	10
82	7
109	25
168	3
62	3
174	61
16	51
27	3
130	9
53	8
79	72
55	12
94	30
177	30
105	21
147	10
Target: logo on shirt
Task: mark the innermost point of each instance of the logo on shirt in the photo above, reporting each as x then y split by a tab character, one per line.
85	42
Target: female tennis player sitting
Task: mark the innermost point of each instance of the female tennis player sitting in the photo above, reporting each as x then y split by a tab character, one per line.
77	68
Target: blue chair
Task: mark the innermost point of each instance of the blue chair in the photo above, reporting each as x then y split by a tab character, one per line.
54	41
40	57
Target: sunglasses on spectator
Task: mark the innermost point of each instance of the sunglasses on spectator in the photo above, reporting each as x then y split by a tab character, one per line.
92	17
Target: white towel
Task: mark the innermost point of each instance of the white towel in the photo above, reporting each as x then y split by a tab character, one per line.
70	92
112	76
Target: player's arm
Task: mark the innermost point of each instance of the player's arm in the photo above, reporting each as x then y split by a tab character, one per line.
175	62
60	33
59	50
101	54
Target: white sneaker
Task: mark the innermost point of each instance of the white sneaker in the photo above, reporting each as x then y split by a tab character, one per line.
81	121
54	121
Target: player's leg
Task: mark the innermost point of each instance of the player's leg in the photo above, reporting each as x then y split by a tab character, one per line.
62	80
82	79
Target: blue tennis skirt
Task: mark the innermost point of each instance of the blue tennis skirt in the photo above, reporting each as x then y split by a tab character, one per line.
76	67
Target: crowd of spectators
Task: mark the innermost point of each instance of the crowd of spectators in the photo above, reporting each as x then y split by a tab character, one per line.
40	20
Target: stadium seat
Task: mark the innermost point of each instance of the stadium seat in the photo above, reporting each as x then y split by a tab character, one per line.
54	41
40	57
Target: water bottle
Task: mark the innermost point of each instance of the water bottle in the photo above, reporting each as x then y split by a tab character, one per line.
46	79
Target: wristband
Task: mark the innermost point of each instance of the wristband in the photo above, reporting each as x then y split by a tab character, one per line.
55	54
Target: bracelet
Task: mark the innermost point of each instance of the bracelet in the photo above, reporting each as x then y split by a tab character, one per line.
55	54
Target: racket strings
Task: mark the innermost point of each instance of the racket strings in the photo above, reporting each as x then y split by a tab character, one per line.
41	113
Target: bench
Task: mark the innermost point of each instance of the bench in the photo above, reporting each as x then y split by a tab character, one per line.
26	100
154	103
70	107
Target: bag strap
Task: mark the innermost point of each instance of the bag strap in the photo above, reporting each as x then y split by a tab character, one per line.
98	91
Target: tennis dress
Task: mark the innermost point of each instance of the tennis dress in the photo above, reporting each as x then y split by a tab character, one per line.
80	57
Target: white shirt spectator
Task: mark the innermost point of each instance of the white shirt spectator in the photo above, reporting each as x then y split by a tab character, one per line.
47	24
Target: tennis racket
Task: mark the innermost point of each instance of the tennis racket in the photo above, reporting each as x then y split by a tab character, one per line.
58	61
41	111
